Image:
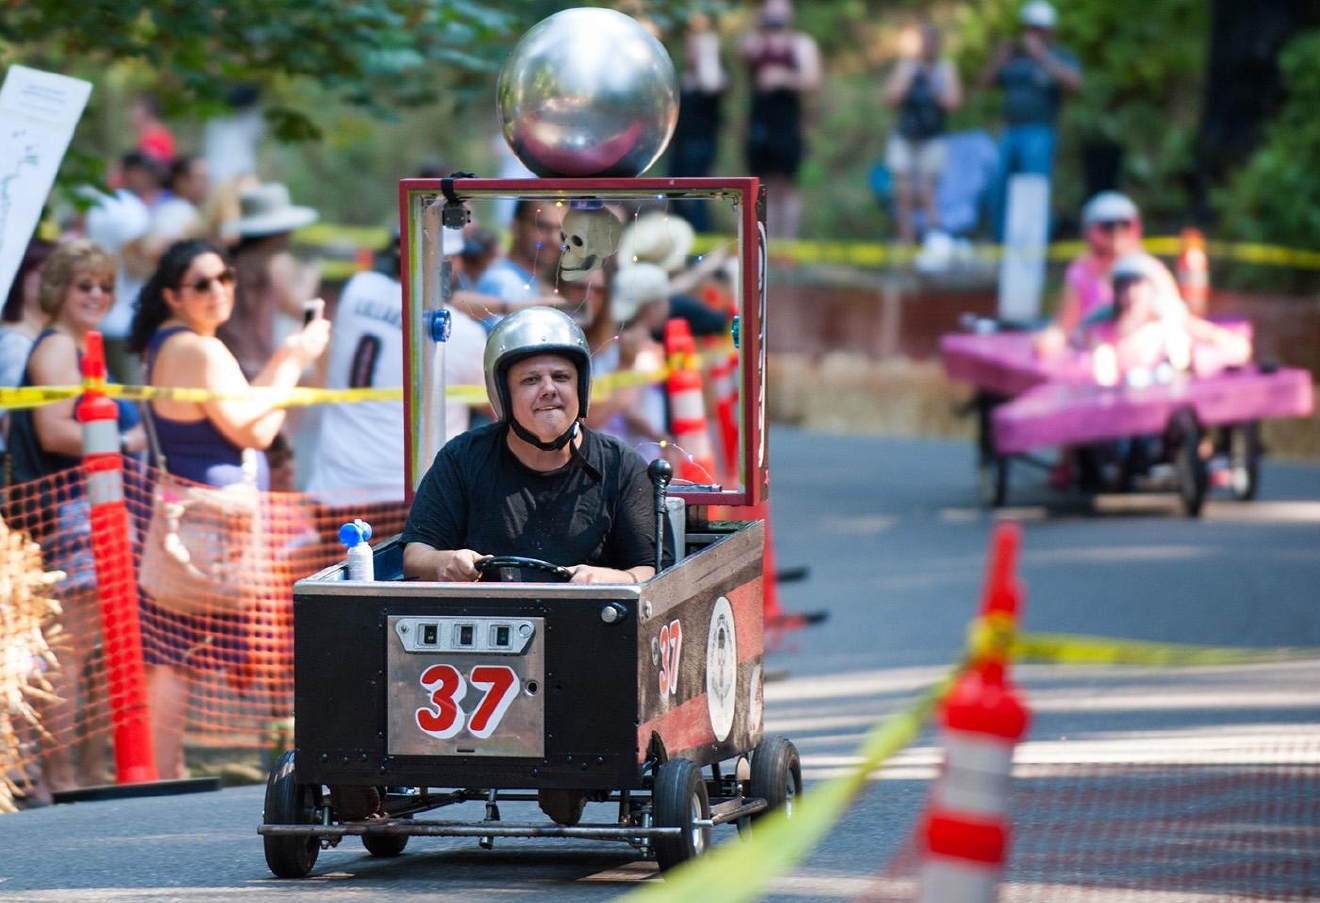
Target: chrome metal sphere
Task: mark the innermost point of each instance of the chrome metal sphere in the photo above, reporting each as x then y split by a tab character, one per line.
588	92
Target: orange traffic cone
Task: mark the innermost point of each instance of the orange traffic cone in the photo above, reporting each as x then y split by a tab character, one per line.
1193	272
726	410
687	406
964	834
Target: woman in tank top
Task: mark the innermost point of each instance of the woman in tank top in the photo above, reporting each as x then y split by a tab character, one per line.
75	292
179	310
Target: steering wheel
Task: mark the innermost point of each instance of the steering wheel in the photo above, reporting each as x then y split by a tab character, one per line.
494	562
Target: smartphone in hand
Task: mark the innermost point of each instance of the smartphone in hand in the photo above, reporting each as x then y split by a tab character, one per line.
313	310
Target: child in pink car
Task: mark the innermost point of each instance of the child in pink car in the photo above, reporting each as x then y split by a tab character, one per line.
1144	336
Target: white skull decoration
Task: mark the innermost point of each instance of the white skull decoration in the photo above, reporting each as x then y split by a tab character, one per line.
589	235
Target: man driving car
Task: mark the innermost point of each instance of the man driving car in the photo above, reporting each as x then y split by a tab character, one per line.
538	482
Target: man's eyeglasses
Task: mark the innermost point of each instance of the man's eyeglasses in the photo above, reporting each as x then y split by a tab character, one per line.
202	284
1110	225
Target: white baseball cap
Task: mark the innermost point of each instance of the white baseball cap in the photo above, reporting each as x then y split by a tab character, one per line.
1039	14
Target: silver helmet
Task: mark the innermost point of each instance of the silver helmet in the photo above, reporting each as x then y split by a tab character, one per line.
527	332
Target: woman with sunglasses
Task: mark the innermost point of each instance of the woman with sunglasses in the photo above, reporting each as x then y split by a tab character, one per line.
75	290
214	442
1111	226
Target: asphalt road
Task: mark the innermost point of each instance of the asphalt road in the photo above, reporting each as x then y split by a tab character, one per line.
895	547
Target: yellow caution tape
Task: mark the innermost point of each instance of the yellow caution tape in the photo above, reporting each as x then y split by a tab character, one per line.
871	255
991	636
1074	649
742	871
36	396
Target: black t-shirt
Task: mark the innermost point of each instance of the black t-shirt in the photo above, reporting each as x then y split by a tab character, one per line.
599	509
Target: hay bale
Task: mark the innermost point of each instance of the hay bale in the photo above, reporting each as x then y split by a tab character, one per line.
26	603
853	393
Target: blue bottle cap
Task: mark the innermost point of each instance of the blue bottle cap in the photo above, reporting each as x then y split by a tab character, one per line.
358	531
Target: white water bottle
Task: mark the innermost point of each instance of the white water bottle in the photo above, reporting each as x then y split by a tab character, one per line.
354	536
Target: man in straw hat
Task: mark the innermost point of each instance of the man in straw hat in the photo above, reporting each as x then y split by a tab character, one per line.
665	240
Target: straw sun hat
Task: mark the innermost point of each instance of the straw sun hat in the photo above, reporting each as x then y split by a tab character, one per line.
267	210
635	287
657	238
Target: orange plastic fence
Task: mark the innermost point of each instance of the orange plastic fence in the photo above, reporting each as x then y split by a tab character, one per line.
55	728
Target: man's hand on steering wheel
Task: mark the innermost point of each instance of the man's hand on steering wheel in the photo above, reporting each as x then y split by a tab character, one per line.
461	567
586	573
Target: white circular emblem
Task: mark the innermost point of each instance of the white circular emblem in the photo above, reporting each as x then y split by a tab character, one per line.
721	669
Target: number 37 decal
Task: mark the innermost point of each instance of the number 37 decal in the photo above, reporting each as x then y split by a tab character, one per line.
445	717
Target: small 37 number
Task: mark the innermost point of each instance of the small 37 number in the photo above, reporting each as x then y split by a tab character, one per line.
671	648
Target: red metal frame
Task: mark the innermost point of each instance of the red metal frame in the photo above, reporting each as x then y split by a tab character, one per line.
752	250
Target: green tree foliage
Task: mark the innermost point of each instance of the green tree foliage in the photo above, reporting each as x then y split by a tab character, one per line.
1275	197
378	55
306	55
383	84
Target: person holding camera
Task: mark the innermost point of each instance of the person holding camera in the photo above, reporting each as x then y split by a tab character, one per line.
1034	74
923	88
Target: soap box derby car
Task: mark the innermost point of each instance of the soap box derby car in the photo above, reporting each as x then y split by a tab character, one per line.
647	698
1204	421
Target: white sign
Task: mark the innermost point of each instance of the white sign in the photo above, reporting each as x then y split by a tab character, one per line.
38	112
1026	232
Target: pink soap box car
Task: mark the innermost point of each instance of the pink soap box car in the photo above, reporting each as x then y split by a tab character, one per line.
1189	430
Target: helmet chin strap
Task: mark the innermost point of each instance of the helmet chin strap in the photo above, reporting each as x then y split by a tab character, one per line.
553	445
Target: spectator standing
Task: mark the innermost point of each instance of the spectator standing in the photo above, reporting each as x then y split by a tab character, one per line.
658	238
784	65
230	141
153	137
368	351
76	291
480	248
22	320
1034	74
183	304
526	275
178	215
693	147
118	222
271	281
634	411
923	87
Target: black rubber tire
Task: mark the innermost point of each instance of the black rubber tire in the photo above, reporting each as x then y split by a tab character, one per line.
678	799
776	774
1244	459
290	803
1193	475
385	846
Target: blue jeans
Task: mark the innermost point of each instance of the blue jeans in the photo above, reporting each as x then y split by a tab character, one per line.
1022	148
